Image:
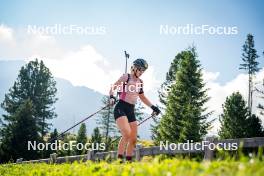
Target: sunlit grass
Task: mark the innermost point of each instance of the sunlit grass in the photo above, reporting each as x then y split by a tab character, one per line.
148	166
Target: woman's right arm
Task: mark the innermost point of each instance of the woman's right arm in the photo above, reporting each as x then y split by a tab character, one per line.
121	80
112	99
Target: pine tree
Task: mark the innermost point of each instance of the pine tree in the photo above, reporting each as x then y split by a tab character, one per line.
170	79
54	134
185	117
81	138
255	128
139	108
35	83
155	133
236	122
52	138
250	64
96	137
163	94
18	132
233	120
106	121
260	91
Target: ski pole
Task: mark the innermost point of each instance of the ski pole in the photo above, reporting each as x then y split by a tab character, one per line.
127	56
77	124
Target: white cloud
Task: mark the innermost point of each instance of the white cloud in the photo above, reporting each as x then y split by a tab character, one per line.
84	67
27	45
210	76
6	33
87	67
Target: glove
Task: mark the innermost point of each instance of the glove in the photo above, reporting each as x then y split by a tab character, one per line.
155	109
112	100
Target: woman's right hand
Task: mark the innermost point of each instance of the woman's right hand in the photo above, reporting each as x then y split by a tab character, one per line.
112	100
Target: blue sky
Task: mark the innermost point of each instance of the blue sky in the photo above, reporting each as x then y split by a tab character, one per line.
135	26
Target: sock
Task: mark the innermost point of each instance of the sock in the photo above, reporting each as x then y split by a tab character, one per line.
119	156
129	158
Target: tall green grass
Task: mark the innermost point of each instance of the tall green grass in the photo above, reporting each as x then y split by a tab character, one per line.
157	166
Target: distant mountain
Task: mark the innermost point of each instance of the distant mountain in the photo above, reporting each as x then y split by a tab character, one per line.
74	102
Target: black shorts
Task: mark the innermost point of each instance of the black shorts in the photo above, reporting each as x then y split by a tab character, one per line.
123	108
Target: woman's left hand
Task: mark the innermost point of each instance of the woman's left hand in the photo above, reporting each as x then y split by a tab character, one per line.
155	109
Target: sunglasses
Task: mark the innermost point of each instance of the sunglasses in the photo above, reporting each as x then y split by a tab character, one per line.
140	69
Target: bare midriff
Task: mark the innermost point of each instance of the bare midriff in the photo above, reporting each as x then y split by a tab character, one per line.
129	91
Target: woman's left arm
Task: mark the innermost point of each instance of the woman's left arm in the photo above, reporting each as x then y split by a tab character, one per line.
145	100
